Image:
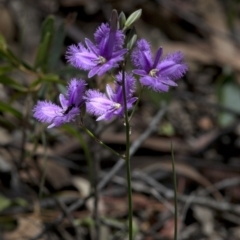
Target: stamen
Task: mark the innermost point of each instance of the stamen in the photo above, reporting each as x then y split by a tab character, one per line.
117	105
101	60
153	72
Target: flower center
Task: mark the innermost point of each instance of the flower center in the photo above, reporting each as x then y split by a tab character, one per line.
153	72
116	105
101	60
69	108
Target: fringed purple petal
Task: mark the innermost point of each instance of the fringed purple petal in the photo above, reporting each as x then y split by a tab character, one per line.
81	57
93	71
107	67
154	84
65	118
142	56
140	72
111	38
119	40
76	89
171	69
96	102
103	48
168	82
173	66
176	57
157	57
51	113
119	54
110	92
130	102
91	46
46	111
101	69
107	116
105	38
103	31
63	101
130	83
118	97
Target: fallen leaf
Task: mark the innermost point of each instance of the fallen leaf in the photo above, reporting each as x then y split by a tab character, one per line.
56	174
205	217
28	227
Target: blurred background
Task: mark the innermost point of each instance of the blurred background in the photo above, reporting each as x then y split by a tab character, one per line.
43	172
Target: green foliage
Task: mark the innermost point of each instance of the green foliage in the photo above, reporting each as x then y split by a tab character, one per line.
45	43
167	129
57	45
48	78
7	202
7	108
9	222
7	81
133	18
33	80
4	203
5	69
122	20
228	93
7	54
131	38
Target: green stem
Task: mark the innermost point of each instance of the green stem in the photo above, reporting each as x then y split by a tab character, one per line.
127	156
175	195
136	105
101	143
128	168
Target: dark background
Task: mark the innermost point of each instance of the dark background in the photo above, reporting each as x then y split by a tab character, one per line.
201	120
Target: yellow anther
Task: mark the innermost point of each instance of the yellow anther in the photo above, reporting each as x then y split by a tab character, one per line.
102	60
153	72
117	105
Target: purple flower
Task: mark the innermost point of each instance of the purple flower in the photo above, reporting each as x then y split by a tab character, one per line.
106	106
55	115
157	74
100	57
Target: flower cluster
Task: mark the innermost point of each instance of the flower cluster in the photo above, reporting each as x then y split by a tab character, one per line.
99	57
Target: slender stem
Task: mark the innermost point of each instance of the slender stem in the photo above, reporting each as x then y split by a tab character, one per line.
175	195
101	143
128	168
97	169
127	156
136	105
